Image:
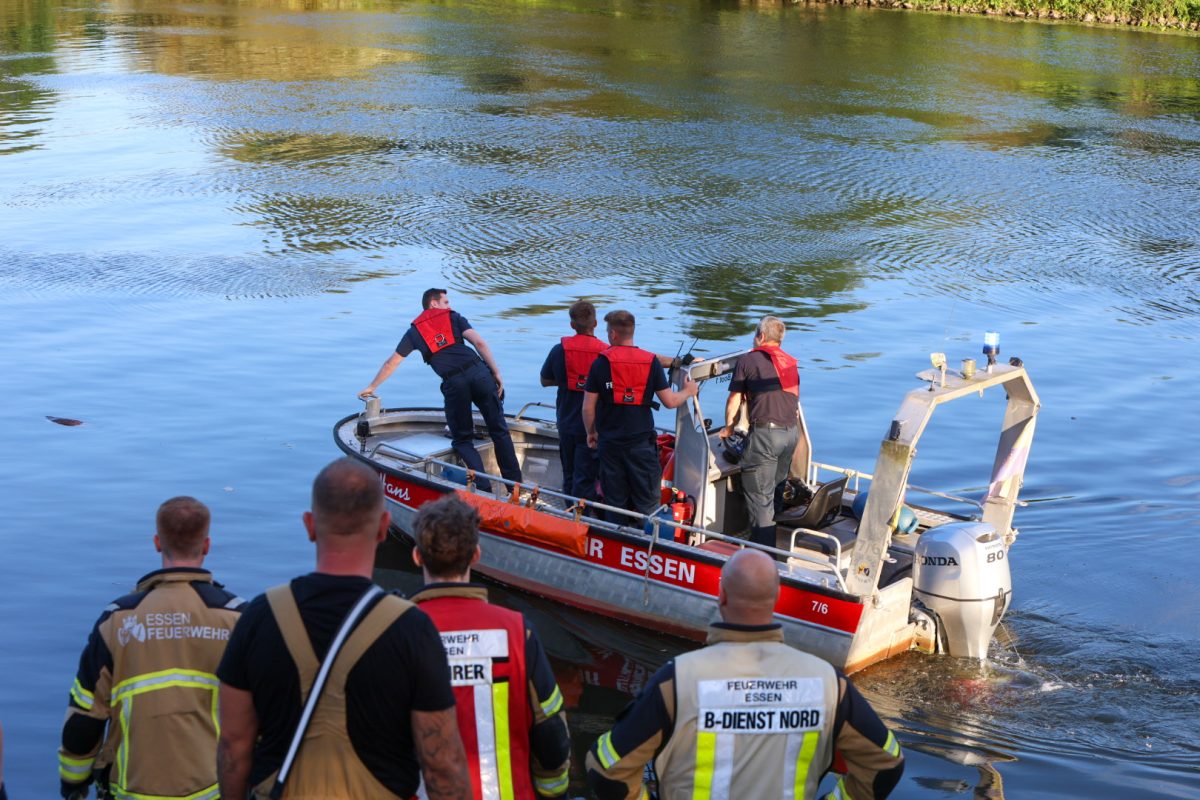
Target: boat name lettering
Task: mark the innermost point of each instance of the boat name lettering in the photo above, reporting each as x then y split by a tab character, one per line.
938	561
760	721
659	564
395	490
595	548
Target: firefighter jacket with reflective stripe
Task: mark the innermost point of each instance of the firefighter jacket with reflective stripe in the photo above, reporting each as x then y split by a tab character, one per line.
630	368
579	351
149	672
435	329
753	718
746	717
498	700
327	767
785	367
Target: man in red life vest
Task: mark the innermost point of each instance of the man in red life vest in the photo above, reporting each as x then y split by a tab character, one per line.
441	336
768	381
509	705
618	418
567	366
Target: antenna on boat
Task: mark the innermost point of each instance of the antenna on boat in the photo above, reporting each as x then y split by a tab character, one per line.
688	358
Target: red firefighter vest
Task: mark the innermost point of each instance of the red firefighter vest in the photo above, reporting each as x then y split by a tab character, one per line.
485	645
630	374
435	329
785	367
579	351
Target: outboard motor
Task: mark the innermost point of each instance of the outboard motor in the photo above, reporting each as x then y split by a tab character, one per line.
961	574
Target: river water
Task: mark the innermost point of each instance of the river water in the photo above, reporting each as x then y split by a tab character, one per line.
216	219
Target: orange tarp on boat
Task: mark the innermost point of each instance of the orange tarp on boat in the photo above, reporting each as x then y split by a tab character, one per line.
529	523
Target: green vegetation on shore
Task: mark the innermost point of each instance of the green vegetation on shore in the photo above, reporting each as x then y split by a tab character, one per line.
1179	14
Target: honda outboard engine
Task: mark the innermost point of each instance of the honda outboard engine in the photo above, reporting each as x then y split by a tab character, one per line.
961	574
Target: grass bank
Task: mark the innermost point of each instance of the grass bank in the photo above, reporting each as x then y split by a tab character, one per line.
1177	14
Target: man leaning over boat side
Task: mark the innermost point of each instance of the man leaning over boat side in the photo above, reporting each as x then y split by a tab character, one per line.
510	709
767	380
747	715
159	646
621	386
441	335
385	716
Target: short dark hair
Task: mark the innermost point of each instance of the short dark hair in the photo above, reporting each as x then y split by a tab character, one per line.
620	321
347	498
182	526
429	296
583	316
446	533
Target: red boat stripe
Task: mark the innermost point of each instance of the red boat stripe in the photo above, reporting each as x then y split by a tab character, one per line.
665	567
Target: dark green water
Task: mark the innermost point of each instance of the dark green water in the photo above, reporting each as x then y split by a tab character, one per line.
216	219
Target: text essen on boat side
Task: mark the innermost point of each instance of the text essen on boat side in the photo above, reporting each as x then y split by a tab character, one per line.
865	575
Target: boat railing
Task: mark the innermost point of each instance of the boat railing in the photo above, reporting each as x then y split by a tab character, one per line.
637	521
521	414
857	475
837	551
384	447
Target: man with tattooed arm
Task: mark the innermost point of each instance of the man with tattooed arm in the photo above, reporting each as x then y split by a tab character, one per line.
385	722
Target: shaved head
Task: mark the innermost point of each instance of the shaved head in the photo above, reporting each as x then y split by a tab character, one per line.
347	499
749	588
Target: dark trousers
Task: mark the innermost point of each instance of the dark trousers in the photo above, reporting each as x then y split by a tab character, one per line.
580	464
765	464
476	385
630	476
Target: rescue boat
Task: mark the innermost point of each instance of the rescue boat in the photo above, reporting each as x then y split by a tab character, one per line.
866	572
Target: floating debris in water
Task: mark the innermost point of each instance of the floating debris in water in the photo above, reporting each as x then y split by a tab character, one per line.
64	421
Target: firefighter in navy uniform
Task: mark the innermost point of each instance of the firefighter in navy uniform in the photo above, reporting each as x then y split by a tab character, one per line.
618	418
147	674
441	336
767	380
567	366
510	709
747	716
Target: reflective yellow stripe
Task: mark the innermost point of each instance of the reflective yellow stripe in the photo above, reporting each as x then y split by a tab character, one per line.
74	770
554	703
706	756
839	792
209	793
503	751
123	749
153	681
892	746
552	786
605	752
804	760
82	697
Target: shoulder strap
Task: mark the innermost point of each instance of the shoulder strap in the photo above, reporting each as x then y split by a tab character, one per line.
377	621
295	635
319	684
